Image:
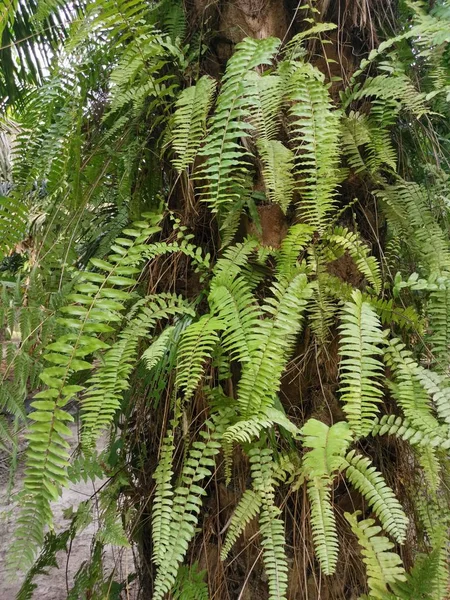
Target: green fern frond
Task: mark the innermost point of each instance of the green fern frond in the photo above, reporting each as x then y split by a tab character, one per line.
314	130
190	116
196	346
370	482
293	243
271	525
106	387
265	96
225	163
158	348
323	524
328	446
247	509
271	343
278	166
190	584
186	504
431	467
163	501
233	302
402	428
407	389
439	316
407	205
383	566
13	222
368	265
325	458
361	345
95	304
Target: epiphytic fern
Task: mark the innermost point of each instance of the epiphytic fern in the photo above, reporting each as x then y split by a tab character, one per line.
324	459
190	121
270	522
407	389
271	343
383	566
111	379
314	130
226	163
368	265
366	479
196	346
361	345
247	509
186	505
402	428
96	303
278	167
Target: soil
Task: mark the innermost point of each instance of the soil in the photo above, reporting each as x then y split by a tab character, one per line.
54	586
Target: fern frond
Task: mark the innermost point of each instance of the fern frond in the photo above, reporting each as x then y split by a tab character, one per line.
368	265
393	425
383	566
158	348
13	222
407	389
106	387
294	242
163	501
190	116
278	166
325	458
186	504
271	343
370	482
361	345
233	302
314	132
196	345
270	522
328	446
439	316
96	303
225	163
247	509
323	524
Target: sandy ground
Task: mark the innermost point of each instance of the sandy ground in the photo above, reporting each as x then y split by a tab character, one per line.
54	586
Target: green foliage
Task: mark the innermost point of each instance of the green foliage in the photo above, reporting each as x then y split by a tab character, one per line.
190	121
315	128
365	478
225	164
251	325
361	344
383	567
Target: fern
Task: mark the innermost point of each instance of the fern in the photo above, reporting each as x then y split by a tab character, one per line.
278	166
315	135
393	425
111	379
196	346
370	482
95	304
320	464
407	389
383	566
225	163
368	265
190	121
361	345
271	525
186	504
247	509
